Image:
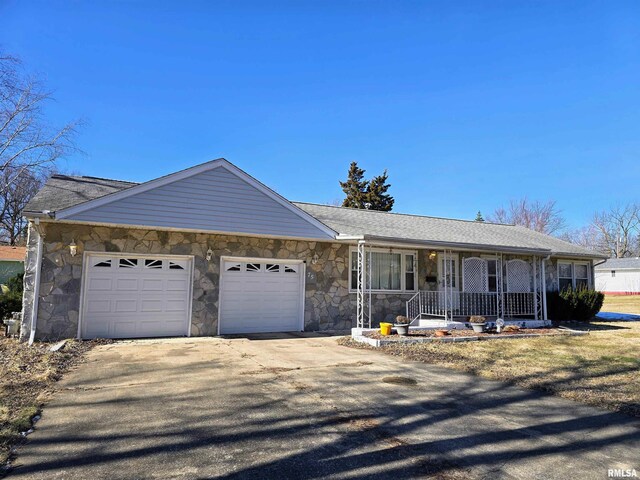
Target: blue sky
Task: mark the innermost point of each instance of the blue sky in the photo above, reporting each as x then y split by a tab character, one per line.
467	104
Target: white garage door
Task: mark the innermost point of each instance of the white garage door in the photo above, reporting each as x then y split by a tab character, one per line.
127	296
261	296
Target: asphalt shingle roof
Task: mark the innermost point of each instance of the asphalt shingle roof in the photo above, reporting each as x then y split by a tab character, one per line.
63	191
619	264
438	230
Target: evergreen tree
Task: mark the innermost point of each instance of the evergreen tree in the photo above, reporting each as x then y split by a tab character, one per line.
355	188
377	196
366	194
479	217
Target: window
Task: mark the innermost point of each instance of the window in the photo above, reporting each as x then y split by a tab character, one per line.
613	273
409	273
573	275
354	271
492	275
155	264
565	276
103	263
128	263
390	270
582	275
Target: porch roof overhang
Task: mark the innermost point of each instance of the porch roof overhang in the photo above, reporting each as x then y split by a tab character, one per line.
459	246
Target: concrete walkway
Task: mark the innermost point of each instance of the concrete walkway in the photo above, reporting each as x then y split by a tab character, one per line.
305	407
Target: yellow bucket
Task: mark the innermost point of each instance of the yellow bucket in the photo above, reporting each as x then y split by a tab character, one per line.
385	328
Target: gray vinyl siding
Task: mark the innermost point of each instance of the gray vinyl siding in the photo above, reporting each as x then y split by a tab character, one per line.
215	200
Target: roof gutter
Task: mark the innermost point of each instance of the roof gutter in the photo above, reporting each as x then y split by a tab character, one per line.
439	245
41	214
460	245
600	263
343	237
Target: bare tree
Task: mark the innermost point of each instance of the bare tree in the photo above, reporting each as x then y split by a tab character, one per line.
614	232
542	217
27	142
617	230
20	188
585	237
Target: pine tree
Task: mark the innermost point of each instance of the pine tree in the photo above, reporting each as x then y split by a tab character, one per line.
355	188
479	217
377	196
366	194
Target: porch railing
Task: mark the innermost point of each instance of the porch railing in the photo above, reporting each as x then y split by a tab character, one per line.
463	304
519	304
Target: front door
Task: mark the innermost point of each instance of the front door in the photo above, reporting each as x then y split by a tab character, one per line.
449	278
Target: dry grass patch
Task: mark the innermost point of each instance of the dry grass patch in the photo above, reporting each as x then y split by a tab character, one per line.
27	376
602	368
622	304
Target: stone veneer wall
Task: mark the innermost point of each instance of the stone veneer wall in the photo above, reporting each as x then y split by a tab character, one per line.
328	303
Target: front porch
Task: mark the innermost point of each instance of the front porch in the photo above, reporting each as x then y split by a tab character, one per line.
451	306
452	285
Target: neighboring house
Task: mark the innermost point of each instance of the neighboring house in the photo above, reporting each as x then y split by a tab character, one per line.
618	276
11	262
210	250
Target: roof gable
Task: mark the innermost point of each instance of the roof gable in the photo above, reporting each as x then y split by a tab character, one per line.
215	196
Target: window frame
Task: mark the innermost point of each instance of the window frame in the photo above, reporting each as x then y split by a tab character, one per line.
403	268
572	264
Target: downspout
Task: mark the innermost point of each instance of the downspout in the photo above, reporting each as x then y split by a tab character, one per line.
36	283
544	288
592	274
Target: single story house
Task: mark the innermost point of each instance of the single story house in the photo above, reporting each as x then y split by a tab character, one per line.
618	276
11	262
210	250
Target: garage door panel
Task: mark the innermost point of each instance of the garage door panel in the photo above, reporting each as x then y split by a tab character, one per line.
126	284
176	285
261	296
175	305
98	306
126	306
100	284
147	306
97	331
124	328
152	285
128	296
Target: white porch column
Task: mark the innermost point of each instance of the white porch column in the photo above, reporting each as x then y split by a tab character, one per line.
363	304
544	289
500	281
445	284
535	286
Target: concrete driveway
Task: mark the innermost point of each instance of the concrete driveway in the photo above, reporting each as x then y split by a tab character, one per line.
305	407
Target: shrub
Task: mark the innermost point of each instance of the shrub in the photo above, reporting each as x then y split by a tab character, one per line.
581	304
11	299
